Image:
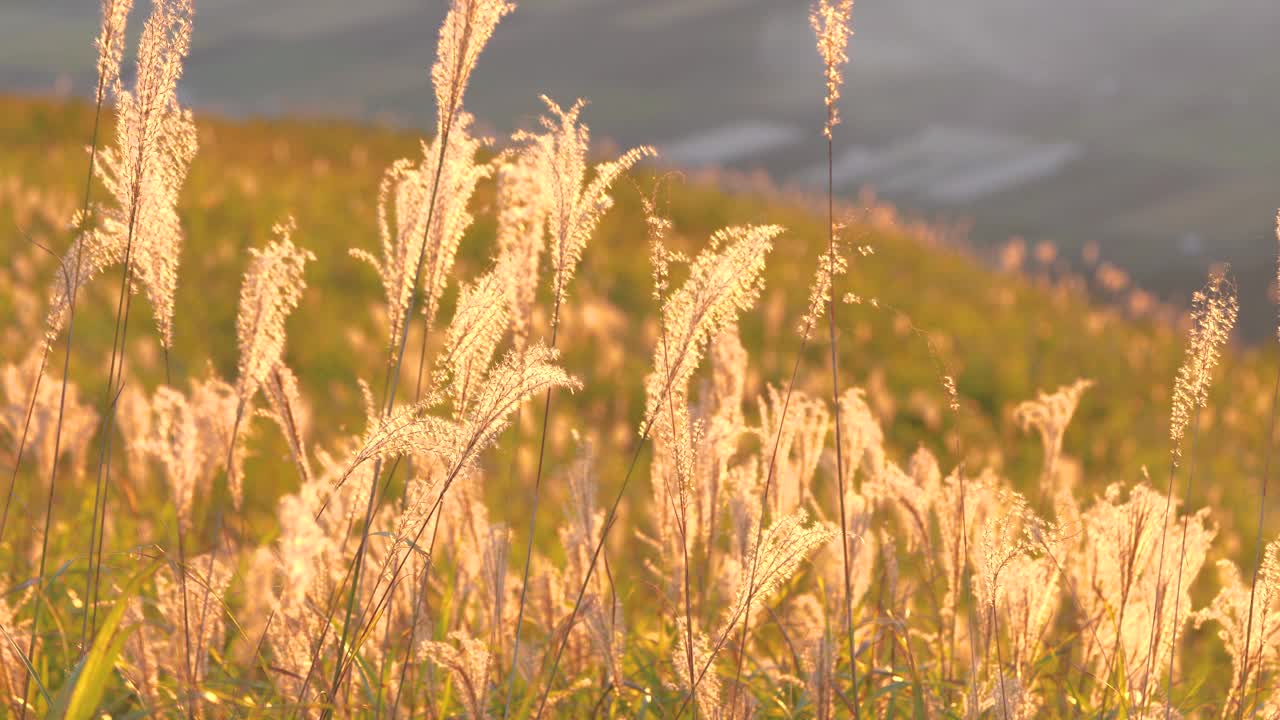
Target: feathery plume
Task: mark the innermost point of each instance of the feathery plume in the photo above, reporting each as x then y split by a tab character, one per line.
1213	315
724	280
474	333
862	436
523	202
286	409
143	173
576	205
602	610
410	430
515	379
800	435
110	43
188	436
414	250
468	664
1049	415
1130	574
830	266
1232	609
271	290
787	542
78	419
830	23
465	31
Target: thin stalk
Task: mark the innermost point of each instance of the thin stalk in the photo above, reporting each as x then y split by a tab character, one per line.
217	544
389	400
609	520
74	283
419	594
1177	590
115	376
96	539
418	601
186	614
40	588
533	521
595	557
22	443
1127	586
182	550
960	563
965	581
755	559
835	399
72	291
1257	554
1155	618
377	605
448	114
995	638
330	606
683	512
404	498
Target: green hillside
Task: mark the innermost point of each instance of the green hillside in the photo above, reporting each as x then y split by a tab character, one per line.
1003	337
936	312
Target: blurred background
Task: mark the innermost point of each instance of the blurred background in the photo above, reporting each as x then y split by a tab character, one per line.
1143	131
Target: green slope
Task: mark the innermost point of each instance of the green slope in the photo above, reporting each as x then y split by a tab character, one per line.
1003	337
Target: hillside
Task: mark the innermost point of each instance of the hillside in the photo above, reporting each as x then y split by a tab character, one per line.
1004	337
1156	143
929	311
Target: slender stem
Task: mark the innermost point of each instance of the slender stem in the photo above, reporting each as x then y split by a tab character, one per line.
115	376
755	558
835	399
182	574
1159	599
773	458
995	638
1177	590
97	535
1257	553
73	292
22	443
376	605
533	521
419	599
213	552
595	557
389	400
965	581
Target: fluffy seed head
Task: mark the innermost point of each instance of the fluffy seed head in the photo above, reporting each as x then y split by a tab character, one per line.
414	254
466	29
830	23
271	290
724	280
523	201
143	174
1213	315
110	43
576	205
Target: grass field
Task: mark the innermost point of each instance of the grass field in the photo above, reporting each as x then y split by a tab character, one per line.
1004	336
945	347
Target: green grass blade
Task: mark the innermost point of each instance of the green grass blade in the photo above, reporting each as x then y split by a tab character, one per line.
83	691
